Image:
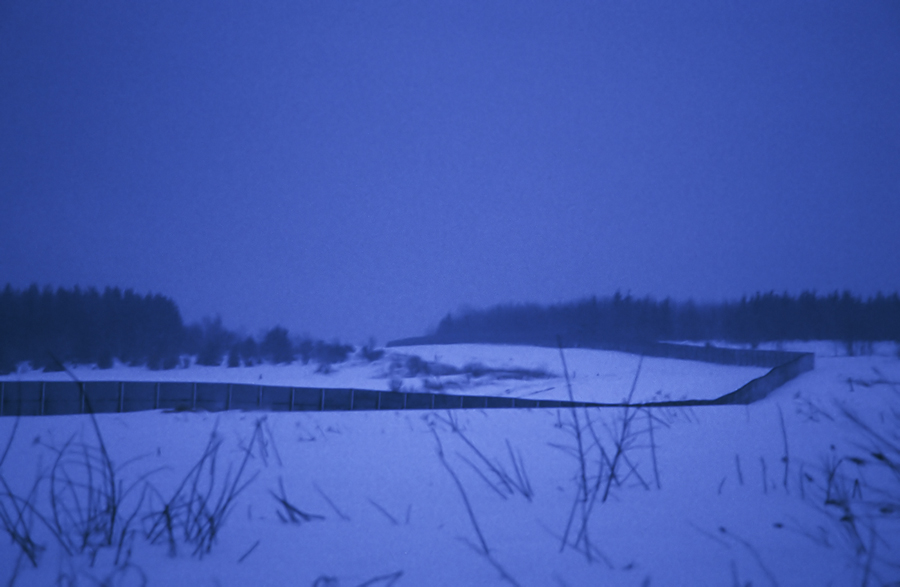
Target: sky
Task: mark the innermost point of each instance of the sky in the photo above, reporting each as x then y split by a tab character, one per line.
359	169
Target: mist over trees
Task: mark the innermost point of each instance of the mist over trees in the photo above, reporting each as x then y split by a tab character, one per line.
617	319
87	327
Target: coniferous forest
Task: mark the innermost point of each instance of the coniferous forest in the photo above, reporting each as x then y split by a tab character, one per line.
46	327
625	319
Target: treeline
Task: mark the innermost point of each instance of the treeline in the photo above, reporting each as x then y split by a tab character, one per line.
618	319
87	327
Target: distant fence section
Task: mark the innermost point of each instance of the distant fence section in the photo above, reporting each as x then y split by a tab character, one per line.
779	375
783	365
712	354
35	398
668	350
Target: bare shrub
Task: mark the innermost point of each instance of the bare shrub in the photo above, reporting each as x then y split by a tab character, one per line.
605	445
492	471
197	510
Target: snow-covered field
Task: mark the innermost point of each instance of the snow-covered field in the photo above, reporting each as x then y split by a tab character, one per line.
797	489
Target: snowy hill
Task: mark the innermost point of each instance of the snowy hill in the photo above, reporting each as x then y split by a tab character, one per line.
796	489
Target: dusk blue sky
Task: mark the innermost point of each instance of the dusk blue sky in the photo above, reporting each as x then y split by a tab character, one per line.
349	169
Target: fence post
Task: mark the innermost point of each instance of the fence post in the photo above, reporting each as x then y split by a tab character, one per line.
194	397
292	400
322	402
351	399
43	393
259	396
377	403
156	403
121	396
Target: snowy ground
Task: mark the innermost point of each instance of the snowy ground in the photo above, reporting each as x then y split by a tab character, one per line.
715	496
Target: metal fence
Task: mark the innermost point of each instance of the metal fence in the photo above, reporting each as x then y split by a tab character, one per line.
38	398
35	398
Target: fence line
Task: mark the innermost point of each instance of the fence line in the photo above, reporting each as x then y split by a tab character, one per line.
36	398
33	398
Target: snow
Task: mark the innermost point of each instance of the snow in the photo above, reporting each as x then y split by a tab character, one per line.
709	515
